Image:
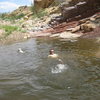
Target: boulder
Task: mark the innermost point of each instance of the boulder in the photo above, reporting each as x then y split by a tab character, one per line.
77	28
69	12
27	35
25	17
92	19
87	27
82	7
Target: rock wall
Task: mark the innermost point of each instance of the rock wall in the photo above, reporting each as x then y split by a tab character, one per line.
79	8
47	3
76	9
43	3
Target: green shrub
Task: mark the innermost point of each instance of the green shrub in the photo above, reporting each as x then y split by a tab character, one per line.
11	17
3	15
20	16
9	29
38	13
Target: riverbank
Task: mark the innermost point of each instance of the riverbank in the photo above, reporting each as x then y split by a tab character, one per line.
85	28
50	25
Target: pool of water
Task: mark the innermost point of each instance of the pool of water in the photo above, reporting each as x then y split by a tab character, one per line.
34	76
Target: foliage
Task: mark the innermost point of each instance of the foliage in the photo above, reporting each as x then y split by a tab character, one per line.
19	16
38	13
9	29
2	15
11	17
55	3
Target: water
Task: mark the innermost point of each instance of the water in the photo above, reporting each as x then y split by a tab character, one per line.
59	68
33	76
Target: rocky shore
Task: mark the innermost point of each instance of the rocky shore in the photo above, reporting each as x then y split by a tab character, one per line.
84	28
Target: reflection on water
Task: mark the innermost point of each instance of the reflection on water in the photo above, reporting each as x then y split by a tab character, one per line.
97	53
33	76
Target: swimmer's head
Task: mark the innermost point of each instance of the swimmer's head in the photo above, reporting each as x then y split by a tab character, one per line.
51	51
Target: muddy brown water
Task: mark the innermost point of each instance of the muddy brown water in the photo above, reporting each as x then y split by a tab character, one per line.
33	76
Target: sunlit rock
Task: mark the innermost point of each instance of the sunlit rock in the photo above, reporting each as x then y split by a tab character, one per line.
87	27
55	35
26	36
69	35
77	28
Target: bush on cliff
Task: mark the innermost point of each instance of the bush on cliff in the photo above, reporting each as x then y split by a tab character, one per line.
38	13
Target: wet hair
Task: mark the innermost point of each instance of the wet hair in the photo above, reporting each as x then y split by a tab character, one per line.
51	51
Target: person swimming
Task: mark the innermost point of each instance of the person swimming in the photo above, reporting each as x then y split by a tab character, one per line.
53	55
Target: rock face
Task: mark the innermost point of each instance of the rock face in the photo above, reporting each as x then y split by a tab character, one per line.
47	3
76	9
43	3
69	12
91	3
79	9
